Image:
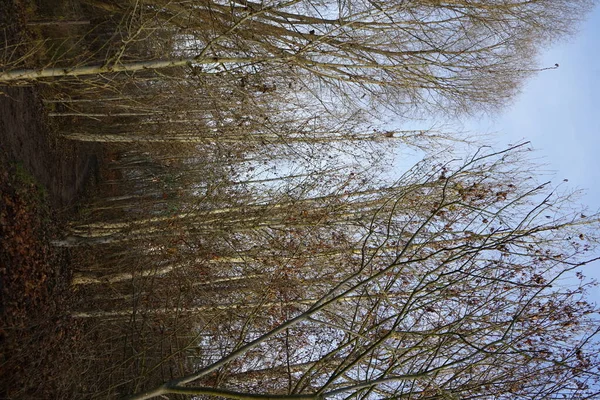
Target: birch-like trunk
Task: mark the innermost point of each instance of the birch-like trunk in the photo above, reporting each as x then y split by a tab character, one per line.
126	313
39	73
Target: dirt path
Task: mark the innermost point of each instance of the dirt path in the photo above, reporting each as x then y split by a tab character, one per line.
63	168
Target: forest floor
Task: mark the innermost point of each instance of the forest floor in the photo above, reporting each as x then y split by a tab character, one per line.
41	180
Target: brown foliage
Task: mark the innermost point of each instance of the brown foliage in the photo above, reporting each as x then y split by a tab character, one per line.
34	331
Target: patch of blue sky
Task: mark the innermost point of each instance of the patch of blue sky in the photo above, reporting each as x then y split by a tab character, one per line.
559	112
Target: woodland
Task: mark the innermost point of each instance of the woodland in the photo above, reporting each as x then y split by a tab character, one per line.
249	231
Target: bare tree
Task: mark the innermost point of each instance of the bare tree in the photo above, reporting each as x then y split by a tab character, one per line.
459	54
447	286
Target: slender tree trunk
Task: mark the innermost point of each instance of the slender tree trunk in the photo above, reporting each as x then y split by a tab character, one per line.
33	74
58	22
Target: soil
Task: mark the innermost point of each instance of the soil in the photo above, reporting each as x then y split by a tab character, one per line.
63	168
42	178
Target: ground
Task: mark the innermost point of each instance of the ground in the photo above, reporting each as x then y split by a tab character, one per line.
42	178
